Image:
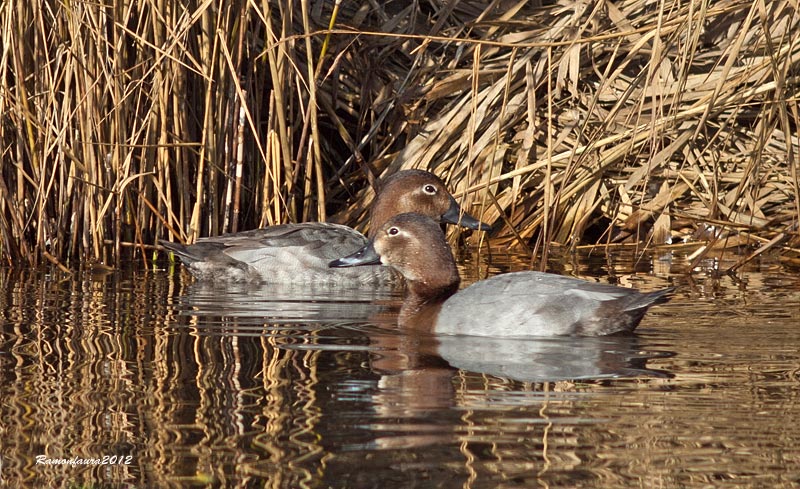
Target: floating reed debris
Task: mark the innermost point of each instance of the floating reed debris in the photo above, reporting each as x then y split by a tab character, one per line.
561	123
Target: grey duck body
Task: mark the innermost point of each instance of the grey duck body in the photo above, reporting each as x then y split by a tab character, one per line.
289	253
544	304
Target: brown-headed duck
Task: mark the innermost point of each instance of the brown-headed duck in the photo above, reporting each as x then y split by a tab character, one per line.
299	253
507	305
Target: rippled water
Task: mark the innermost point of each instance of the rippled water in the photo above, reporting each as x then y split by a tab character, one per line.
182	385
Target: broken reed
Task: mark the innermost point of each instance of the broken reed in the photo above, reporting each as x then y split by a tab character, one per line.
125	123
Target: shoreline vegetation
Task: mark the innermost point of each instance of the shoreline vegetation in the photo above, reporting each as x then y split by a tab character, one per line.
560	124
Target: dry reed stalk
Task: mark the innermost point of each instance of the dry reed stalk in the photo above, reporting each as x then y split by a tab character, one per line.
565	124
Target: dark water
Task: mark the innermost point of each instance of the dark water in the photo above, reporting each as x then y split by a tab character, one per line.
180	385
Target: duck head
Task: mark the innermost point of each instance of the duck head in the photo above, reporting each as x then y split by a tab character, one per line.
421	192
414	245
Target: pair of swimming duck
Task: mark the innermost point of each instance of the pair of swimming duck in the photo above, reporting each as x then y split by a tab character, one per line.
405	237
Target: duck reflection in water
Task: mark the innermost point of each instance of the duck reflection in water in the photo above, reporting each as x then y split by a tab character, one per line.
422	369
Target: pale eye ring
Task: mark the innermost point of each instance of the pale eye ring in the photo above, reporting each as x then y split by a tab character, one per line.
429	189
393	231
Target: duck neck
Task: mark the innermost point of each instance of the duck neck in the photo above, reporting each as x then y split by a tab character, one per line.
432	293
422	304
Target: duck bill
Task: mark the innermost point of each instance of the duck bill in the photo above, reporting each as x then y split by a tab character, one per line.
365	256
454	215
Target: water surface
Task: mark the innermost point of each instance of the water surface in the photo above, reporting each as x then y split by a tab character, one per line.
184	385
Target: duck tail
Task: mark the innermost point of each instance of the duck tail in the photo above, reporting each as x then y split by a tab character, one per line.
181	251
644	301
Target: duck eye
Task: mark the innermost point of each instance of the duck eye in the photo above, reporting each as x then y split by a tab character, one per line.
429	189
393	231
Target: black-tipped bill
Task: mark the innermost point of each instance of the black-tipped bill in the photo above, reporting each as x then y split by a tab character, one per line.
454	216
365	256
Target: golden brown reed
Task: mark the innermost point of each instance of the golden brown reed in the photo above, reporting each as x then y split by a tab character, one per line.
570	123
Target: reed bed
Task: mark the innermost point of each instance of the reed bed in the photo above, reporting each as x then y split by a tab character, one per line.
569	123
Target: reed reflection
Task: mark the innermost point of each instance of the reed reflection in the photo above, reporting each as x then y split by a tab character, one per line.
277	389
